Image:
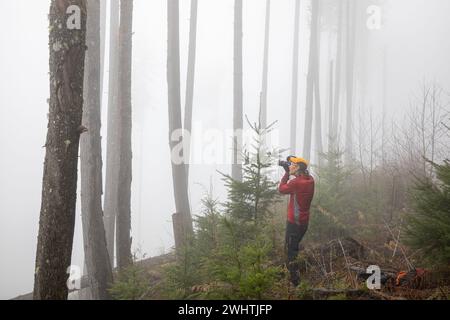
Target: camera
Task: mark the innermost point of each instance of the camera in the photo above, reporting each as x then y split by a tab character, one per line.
284	164
287	163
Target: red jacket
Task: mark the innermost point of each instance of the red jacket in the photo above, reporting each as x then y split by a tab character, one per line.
301	190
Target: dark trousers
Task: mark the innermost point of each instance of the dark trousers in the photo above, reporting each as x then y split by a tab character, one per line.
294	235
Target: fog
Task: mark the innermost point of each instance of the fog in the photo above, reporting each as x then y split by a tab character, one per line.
414	34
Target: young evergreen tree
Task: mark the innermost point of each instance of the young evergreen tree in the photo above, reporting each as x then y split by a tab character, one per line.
243	260
207	225
250	199
429	227
331	199
231	256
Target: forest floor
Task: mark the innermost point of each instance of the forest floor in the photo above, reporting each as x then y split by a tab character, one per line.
337	270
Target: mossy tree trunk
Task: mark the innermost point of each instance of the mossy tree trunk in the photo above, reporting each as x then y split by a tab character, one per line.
59	188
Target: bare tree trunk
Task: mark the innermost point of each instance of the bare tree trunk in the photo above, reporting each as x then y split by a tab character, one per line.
123	229
383	117
313	62
238	117
423	116
363	35
372	151
362	133
102	45
190	83
59	186
318	104
97	261
434	126
294	98
337	91
179	231
318	121
330	106
351	14
173	79
113	143
263	111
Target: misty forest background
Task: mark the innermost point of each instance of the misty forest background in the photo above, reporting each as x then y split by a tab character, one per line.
359	87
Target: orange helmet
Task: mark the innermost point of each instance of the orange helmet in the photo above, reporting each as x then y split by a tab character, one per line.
297	160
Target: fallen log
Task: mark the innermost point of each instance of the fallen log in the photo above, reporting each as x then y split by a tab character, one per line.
323	294
384	296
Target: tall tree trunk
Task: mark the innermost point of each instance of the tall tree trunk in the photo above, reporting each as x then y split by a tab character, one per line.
263	111
123	229
313	61
173	80
113	143
363	35
294	98
103	10
384	111
318	123
238	117
190	84
351	14
337	91
317	103
59	186
96	254
330	106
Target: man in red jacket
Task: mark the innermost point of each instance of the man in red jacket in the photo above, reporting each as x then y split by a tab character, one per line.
301	191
